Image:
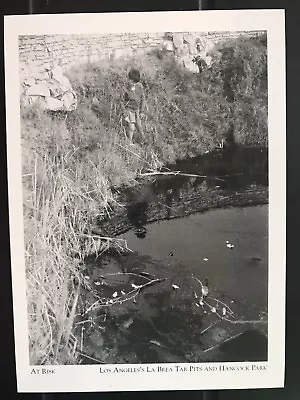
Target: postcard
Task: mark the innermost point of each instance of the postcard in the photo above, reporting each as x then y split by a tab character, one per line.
146	178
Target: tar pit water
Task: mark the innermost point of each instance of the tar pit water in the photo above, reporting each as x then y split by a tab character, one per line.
193	286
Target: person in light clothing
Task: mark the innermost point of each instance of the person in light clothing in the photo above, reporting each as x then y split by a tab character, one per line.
133	104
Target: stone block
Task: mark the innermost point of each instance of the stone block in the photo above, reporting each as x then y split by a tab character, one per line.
33	69
178	40
168	45
38	90
29	81
53	104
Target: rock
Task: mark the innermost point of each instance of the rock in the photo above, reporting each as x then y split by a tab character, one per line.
30	100
57	72
69	101
205	49
29	82
208	60
54	88
54	93
178	41
53	104
64	83
168	45
40	89
32	69
204	45
189	64
179	45
191	43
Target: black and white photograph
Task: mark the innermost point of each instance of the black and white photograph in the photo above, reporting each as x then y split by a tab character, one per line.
146	179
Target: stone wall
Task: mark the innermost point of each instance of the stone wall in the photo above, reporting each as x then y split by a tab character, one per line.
39	53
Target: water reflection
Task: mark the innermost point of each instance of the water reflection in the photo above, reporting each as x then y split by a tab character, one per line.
234	177
137	216
212	180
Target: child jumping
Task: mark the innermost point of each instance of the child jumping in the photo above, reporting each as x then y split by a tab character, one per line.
133	104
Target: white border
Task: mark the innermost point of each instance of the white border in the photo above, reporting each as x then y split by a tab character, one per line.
88	378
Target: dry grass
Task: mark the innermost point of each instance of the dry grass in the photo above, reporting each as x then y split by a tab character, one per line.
63	195
55	216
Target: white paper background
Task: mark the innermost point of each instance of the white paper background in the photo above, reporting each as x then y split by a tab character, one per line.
88	378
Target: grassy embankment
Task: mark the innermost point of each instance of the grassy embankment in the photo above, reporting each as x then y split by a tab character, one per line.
72	163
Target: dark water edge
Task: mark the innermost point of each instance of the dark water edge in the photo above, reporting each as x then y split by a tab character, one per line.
177	227
234	178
